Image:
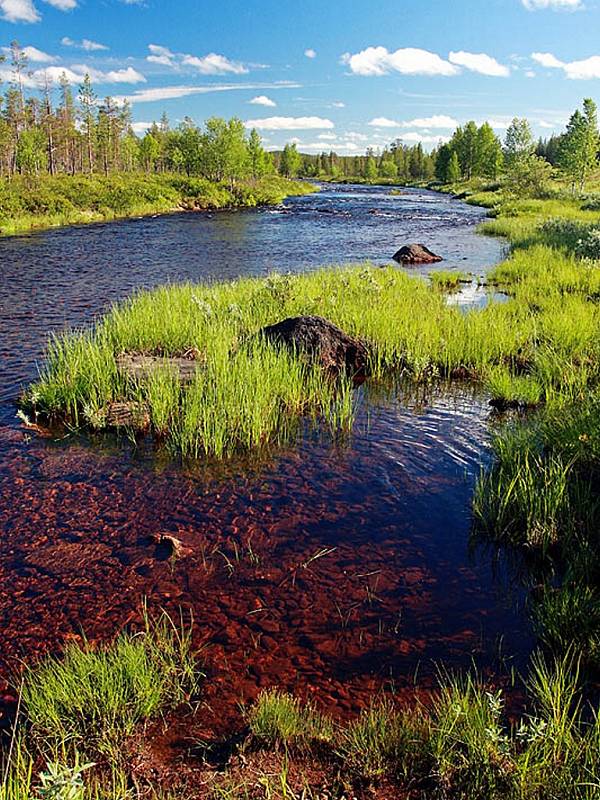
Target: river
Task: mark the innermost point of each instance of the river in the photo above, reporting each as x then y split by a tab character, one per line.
327	568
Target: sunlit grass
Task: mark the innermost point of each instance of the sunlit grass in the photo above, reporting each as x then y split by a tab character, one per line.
91	699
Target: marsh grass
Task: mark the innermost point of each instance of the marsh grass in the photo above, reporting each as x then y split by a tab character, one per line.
386	741
92	698
247	394
459	744
278	718
447	280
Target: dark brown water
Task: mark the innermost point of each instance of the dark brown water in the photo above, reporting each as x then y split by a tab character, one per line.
328	568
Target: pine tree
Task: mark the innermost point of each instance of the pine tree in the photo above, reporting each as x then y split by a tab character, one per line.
87	101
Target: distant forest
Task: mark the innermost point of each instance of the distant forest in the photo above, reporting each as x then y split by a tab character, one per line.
66	130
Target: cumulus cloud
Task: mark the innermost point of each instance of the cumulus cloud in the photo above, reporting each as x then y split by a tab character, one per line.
327	137
547	60
19	11
85	44
141	127
585	69
262	100
561	5
408	61
214	64
437	121
416	137
289	123
310	53
211	64
75	74
160	55
479	62
338	104
34	55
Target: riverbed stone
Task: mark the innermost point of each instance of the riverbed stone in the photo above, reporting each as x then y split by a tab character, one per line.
416	254
320	341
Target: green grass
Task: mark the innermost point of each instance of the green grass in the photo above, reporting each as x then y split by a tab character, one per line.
459	744
36	203
92	698
278	718
247	395
448	281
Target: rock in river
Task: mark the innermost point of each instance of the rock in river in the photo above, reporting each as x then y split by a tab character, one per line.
416	254
322	342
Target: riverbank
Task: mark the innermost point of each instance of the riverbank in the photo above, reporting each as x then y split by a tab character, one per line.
28	204
128	720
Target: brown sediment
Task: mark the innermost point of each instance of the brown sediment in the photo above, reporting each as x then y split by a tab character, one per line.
297	574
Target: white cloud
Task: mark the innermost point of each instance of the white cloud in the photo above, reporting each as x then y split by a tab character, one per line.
141	127
564	5
529	73
586	69
214	64
63	5
415	137
174	92
85	44
262	100
407	61
338	104
437	121
498	124
327	137
160	55
310	53
384	122
289	123
76	73
479	62
34	55
356	137
19	11
547	60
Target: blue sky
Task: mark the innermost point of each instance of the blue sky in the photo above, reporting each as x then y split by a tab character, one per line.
341	74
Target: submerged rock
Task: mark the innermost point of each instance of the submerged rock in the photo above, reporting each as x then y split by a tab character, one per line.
322	342
171	545
416	254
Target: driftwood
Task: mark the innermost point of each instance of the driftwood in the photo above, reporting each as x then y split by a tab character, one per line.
127	415
141	367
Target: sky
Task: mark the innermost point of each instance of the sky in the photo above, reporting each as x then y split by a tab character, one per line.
326	74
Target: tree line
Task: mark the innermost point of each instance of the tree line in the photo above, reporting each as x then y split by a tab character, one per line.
62	130
80	133
526	165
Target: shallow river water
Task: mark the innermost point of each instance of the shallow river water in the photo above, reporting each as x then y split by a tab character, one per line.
330	568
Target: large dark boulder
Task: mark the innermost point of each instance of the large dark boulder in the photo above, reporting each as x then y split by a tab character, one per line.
416	254
320	341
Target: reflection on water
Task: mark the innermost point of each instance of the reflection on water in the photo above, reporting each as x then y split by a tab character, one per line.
330	567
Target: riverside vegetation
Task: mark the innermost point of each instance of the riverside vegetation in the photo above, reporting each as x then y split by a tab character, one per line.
536	355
